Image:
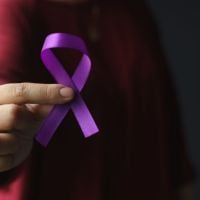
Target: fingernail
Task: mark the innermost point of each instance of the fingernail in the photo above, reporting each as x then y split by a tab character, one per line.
66	92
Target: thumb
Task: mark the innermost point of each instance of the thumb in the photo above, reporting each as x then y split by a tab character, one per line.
40	111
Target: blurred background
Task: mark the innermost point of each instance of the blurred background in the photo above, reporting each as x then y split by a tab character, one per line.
179	25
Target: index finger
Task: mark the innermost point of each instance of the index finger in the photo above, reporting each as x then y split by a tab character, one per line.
35	93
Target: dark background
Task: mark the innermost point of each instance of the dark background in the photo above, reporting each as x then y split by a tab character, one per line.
179	25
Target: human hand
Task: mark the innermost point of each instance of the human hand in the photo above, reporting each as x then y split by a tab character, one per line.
23	107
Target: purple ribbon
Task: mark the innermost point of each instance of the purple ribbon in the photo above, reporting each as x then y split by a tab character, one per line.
77	82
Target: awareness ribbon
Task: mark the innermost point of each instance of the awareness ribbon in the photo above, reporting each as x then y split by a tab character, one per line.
77	82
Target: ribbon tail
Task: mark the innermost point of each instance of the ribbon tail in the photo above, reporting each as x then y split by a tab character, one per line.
84	117
51	123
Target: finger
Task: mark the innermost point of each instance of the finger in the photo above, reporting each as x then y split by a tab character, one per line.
6	162
40	111
8	143
22	93
15	117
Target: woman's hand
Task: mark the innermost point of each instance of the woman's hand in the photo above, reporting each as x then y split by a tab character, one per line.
23	107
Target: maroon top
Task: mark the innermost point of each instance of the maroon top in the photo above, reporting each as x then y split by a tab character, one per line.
139	152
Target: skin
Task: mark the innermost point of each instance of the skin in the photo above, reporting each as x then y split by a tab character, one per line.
23	107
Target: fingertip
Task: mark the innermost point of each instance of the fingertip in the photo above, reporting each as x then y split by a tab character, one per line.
67	93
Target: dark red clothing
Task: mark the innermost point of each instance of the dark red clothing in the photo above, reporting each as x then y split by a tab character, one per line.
139	152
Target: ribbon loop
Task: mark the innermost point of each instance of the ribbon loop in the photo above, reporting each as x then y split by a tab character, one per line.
77	82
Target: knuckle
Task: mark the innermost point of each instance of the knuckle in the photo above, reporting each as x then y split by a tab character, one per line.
49	92
14	114
20	91
14	110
